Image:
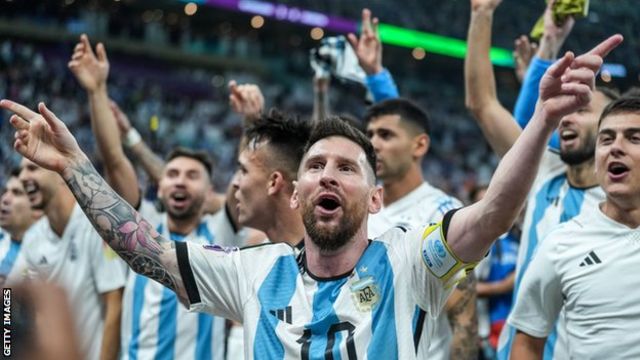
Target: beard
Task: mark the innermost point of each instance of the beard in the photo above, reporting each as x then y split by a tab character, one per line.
331	238
187	213
581	155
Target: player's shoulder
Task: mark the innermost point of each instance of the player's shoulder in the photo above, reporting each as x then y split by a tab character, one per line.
429	196
38	230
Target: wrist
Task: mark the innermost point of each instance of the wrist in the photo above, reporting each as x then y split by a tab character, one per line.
99	89
131	138
373	70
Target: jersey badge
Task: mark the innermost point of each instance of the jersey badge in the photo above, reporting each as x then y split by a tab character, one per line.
365	294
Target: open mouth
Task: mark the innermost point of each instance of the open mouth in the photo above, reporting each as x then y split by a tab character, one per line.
328	203
179	198
617	169
567	135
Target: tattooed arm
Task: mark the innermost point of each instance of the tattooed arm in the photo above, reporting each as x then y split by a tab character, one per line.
461	311
45	140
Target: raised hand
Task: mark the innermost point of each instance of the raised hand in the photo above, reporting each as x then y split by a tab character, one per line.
522	54
485	4
554	34
368	47
567	85
246	99
42	138
90	70
124	125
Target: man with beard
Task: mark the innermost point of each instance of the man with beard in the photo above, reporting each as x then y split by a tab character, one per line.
15	218
586	263
63	248
154	324
566	184
344	295
399	133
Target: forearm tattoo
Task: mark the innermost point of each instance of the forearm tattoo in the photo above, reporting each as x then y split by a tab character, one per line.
464	321
120	226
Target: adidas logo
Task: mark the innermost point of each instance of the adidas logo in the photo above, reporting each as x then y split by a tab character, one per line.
43	261
283	314
591	259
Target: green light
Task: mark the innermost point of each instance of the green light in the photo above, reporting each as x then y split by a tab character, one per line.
437	44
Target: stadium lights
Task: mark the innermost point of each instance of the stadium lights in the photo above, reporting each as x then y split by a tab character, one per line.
389	34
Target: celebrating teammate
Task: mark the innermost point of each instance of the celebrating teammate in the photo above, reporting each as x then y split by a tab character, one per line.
581	265
343	294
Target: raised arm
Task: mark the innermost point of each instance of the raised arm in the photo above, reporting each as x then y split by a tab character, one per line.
566	87
496	123
152	164
45	140
552	40
368	49
92	71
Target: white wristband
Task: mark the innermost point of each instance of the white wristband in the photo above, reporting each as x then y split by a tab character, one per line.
131	138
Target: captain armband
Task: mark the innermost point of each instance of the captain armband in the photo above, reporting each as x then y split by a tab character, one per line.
440	259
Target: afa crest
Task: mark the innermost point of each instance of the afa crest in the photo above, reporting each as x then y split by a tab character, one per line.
365	294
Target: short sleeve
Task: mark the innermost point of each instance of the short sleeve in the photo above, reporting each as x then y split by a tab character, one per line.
539	298
109	270
213	279
435	269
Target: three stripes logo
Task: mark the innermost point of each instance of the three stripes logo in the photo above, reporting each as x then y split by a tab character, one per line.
283	314
591	259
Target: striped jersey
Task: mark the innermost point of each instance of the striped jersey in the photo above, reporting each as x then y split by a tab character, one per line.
423	205
585	269
289	313
155	325
12	264
83	265
552	201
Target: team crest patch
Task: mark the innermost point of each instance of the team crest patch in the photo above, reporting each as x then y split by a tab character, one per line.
365	294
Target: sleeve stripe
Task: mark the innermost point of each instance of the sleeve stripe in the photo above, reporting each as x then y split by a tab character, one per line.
186	272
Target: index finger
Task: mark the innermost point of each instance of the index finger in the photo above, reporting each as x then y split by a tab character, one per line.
605	47
21	110
366	20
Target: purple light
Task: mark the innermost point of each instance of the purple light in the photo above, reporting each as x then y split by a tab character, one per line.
291	14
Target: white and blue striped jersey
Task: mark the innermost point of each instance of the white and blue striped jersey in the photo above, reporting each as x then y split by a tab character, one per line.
586	269
83	265
13	267
552	201
154	323
288	313
422	206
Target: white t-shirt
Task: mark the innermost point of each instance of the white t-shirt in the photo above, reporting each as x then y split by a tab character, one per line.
83	264
154	323
422	206
290	314
552	201
586	265
13	267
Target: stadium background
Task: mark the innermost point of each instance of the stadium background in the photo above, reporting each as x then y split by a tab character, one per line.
169	69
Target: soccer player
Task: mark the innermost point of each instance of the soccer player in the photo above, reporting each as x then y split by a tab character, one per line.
154	324
15	218
399	133
63	248
565	184
584	265
343	294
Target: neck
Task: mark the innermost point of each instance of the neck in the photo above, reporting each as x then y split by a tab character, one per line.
17	234
395	189
330	264
59	209
582	175
626	211
182	226
286	225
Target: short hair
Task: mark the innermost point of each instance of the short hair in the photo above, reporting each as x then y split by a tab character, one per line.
198	155
633	91
621	106
406	109
337	126
609	92
14	172
285	135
